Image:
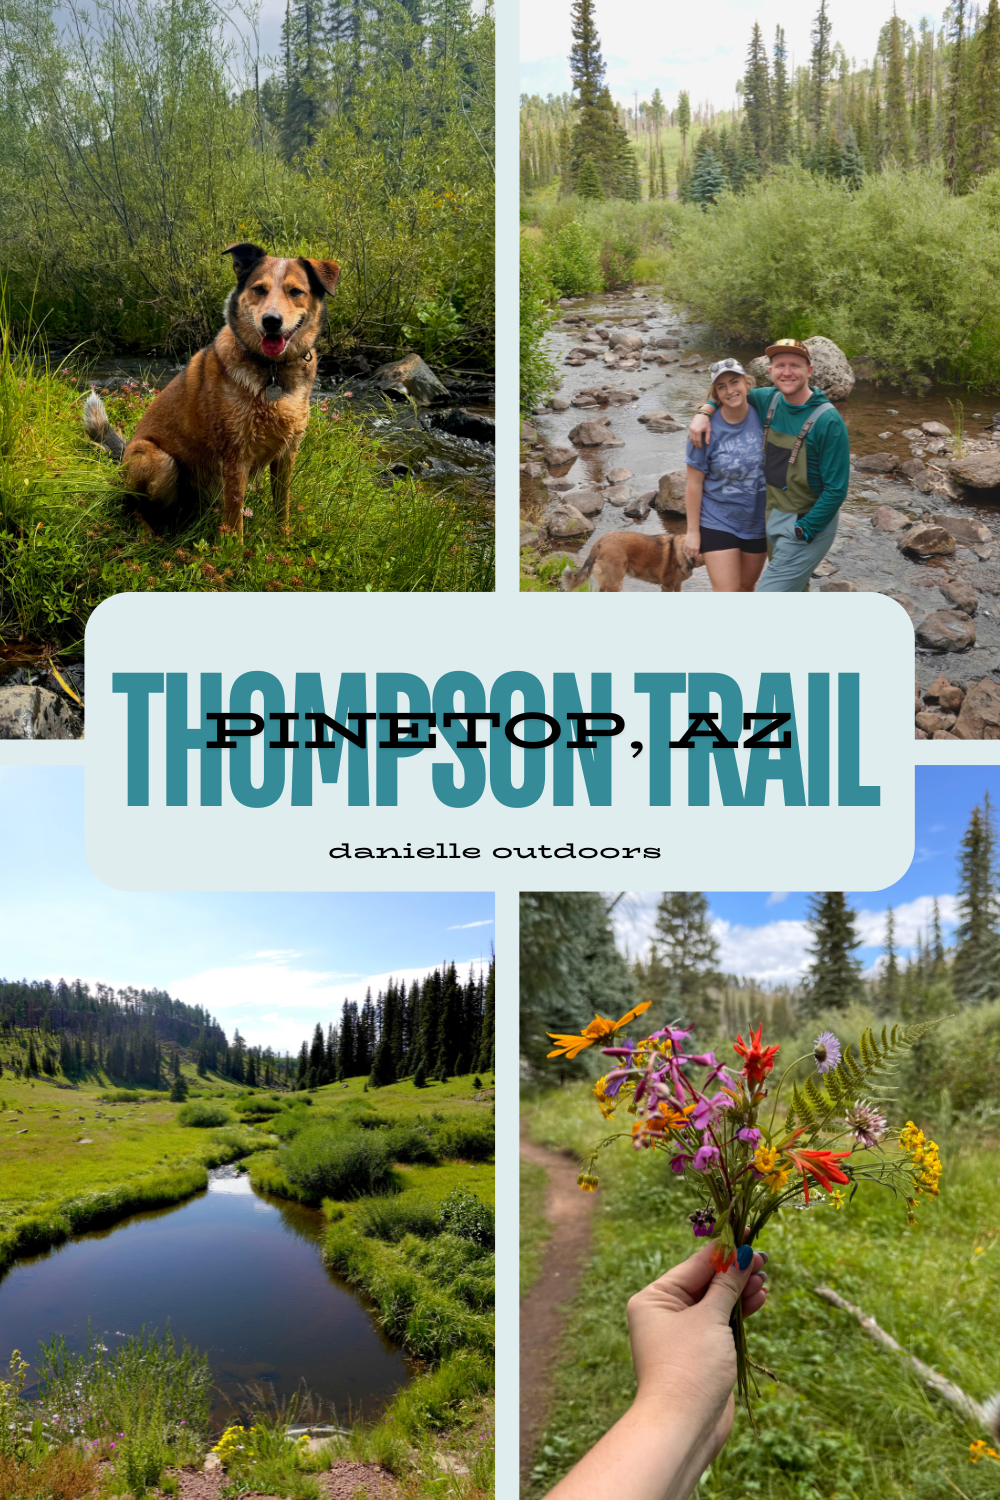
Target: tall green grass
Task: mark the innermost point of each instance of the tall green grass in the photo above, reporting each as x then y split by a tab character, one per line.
323	1162
203	1113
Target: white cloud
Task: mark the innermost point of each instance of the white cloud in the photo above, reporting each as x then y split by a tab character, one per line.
776	898
279	953
463	926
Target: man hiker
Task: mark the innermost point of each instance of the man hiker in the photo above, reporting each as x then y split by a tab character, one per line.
807	457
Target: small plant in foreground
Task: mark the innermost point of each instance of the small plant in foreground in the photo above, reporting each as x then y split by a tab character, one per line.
462	1213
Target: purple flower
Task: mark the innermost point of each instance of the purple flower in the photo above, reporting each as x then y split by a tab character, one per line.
671	1035
706	1111
702	1222
704	1059
826	1051
679	1162
749	1133
704	1157
613	1082
865	1123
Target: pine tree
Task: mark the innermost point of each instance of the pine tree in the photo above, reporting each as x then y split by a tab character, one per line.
306	78
684	958
586	64
487	1043
852	163
757	94
420	1077
924	90
781	100
983	139
830	161
889	984
819	67
588	179
897	128
955	99
178	1089
663	174
937	941
683	120
32	1056
708	182
976	970
834	974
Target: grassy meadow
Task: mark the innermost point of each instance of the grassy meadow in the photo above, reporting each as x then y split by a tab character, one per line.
846	1421
420	1246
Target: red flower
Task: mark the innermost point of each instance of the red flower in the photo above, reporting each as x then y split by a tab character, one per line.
821	1164
757	1060
719	1258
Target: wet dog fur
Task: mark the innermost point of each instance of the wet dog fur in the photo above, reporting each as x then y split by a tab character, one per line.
632	554
212	428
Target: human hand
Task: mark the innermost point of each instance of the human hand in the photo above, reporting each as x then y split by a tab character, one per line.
700	427
692	543
683	1347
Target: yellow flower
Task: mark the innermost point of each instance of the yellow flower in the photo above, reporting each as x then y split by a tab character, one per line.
595	1031
981	1449
587	1181
837	1198
608	1103
924	1155
767	1161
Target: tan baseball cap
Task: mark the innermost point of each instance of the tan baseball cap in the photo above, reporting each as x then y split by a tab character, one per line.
789	346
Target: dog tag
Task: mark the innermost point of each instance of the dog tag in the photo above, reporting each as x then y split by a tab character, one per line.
273	391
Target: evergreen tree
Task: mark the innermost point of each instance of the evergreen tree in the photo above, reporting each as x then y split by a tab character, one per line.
955	99
302	1072
178	1089
834	974
937	941
983	136
976	970
683	120
889	985
757	94
306	77
588	179
586	64
829	160
383	1068
663	174
820	67
924	90
781	100
708	182
420	1077
317	1057
32	1056
487	1043
684	958
852	163
897	127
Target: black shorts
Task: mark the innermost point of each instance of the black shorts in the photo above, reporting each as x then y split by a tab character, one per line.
724	541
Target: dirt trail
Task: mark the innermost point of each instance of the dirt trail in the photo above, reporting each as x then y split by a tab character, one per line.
570	1212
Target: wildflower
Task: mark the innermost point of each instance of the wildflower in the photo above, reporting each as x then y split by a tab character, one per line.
865	1123
837	1198
749	1133
607	1098
571	1046
924	1156
703	1158
767	1165
826	1051
706	1111
702	1222
720	1258
587	1181
819	1164
757	1060
981	1449
246	511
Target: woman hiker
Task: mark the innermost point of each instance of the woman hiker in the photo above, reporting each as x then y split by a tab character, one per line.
725	492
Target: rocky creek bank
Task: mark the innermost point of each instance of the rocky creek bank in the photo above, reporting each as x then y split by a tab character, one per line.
921	522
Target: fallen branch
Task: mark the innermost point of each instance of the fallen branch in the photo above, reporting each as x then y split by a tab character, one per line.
985	1414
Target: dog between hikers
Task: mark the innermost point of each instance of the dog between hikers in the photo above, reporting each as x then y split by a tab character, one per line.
237	406
631	554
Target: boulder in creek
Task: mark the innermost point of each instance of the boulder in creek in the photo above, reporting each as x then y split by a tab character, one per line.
33	713
670	494
529	537
824	568
657	416
838	586
665	343
987	551
581	352
877	463
591	434
566	521
584	401
964	528
557	403
948	694
559	484
933	482
926	541
411	378
618	494
912	467
979	718
638	510
935	429
618	476
587	502
832	373
932	720
866	368
911	609
961	594
532	469
759	370
661	426
946	630
622	340
888	519
529	432
980	471
557	457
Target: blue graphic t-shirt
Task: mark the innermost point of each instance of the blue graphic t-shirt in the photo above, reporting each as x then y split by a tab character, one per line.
733	465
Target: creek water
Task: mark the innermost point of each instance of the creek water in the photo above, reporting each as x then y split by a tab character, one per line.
876	416
238	1274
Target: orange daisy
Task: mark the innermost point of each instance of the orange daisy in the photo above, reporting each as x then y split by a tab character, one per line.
595	1031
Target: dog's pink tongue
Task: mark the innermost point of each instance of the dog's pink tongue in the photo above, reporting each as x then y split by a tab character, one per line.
272	346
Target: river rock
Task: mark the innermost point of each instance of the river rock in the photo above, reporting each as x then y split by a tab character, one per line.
557	457
961	594
657	416
933	482
529	536
587	502
566	521
981	471
410	377
926	541
33	713
624	341
979	718
824	568
838	586
933	721
670	494
964	528
987	551
591	434
913	467
935	429
946	630
558	484
618	494
911	609
664	427
912	434
532	469
618	476
666	343
832	373
638	510
865	368
877	463
759	370
557	403
948	694
888	519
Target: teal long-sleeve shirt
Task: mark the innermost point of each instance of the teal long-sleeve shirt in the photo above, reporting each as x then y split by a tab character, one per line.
828	452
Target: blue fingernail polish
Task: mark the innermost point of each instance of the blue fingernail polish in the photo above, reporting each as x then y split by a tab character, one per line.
744	1256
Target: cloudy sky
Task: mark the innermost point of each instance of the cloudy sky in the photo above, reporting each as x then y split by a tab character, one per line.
763	934
698	48
272	964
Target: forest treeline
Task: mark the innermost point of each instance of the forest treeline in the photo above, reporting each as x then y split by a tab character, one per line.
572	969
138	141
140	1037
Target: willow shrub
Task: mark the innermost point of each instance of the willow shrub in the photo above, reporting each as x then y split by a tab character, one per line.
899	271
537	369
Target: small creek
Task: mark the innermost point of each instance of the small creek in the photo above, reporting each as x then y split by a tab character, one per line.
875	417
238	1274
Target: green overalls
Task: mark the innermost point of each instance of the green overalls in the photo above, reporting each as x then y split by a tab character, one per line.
790	495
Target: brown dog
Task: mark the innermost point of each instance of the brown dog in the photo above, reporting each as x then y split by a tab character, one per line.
238	405
632	554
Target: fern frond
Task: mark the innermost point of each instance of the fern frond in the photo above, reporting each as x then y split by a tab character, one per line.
877	1056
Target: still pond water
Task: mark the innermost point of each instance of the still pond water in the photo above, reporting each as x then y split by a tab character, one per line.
237	1274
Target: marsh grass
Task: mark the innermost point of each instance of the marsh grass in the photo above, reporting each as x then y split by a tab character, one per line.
846	1419
203	1113
325	1161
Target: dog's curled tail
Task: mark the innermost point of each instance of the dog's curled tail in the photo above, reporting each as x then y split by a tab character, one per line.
99	429
576	580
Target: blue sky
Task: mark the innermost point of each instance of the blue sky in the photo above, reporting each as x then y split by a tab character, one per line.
272	964
763	934
698	48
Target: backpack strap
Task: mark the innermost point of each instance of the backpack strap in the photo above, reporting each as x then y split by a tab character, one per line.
770	415
804	430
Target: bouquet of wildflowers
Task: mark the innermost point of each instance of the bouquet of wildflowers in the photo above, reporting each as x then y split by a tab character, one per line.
722	1133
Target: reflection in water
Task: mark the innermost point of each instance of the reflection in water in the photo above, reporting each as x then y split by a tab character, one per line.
237	1274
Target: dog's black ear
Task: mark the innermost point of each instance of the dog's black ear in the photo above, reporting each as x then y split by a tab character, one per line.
323	274
245	257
